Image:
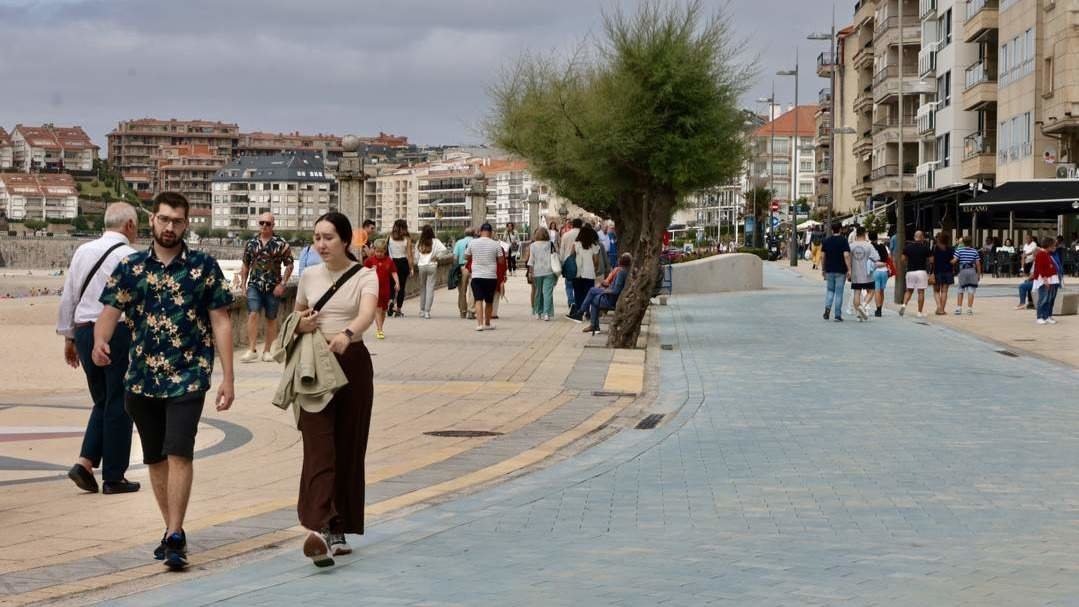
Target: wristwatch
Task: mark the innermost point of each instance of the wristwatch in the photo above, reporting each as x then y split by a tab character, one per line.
348	332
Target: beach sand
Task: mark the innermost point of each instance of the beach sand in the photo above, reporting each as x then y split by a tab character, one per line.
32	361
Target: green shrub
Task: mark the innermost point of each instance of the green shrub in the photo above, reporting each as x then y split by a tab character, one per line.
762	253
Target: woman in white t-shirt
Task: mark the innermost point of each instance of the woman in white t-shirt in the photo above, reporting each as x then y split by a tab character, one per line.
1030	248
400	251
335	438
429	249
587	251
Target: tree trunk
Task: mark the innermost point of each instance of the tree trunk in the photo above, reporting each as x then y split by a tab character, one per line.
646	229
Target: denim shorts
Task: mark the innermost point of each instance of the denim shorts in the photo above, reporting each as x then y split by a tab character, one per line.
262	300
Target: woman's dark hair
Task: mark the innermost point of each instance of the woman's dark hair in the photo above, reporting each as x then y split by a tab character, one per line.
587	237
400	230
342	226
626	260
944	238
872	237
427	240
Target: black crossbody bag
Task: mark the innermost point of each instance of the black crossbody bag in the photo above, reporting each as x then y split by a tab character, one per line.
337	285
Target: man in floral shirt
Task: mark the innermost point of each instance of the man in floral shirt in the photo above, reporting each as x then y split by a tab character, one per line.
177	308
263	284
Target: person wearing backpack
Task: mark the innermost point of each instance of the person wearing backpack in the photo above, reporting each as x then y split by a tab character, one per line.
541	269
107	440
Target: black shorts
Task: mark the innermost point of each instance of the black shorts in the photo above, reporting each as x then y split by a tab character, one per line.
483	289
863	286
167	426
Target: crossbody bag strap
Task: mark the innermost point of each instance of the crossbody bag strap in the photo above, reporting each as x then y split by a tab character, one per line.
93	270
337	285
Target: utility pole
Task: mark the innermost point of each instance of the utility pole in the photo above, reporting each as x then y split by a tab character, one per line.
900	220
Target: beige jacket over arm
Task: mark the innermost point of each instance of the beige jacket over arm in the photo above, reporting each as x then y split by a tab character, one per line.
312	374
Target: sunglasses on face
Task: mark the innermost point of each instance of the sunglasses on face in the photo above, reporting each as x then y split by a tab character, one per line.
265	223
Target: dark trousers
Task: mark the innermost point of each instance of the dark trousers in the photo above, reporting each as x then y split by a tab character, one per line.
334	448
402	275
581	287
107	441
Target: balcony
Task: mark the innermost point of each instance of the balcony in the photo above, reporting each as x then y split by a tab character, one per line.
979	155
886	33
886	83
863	146
824	136
864	101
924	176
824	167
825	64
824	97
927	59
864	57
887	131
886	179
926	119
927	9
980	91
982	20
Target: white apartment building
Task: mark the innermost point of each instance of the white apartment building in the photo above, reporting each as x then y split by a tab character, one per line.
7	151
771	167
50	147
294	187
396	197
38	196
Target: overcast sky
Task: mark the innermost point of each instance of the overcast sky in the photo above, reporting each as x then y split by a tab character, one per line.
419	68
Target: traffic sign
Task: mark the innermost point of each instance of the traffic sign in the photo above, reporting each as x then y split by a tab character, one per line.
775	205
775	221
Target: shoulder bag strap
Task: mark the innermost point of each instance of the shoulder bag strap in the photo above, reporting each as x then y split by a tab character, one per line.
337	285
93	271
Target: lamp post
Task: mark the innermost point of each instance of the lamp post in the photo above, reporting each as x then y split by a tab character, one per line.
792	245
833	48
900	219
771	101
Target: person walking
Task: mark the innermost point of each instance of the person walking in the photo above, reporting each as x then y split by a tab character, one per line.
943	268
567	247
177	303
514	242
543	276
261	281
1046	281
612	239
386	271
107	440
969	261
464	288
429	250
587	252
308	257
815	243
882	273
400	251
864	261
835	265
331	498
361	240
916	261
484	254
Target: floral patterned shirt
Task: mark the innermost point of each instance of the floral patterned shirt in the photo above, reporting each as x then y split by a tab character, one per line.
265	262
168	312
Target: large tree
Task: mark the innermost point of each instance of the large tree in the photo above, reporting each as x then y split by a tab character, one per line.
629	125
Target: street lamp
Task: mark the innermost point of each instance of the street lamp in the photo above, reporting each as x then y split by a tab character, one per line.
833	49
771	101
792	246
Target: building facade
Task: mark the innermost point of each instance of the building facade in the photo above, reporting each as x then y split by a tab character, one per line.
777	163
294	187
38	196
188	169
52	148
135	147
7	151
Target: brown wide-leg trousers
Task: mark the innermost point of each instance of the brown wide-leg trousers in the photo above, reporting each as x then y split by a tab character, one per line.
334	447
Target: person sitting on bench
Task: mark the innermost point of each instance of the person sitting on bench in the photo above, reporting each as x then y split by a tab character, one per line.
606	296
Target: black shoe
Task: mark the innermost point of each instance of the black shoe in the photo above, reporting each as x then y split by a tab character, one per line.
121	486
159	552
176	551
877	313
827	313
839	319
83	478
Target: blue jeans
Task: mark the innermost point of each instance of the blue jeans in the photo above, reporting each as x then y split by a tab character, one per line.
603	300
591	299
1025	288
544	301
262	300
1047	296
107	441
834	282
569	272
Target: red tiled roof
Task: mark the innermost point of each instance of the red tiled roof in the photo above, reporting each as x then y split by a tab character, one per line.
55	138
505	166
784	125
39	184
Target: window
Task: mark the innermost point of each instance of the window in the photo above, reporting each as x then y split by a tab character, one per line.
1047	76
946	23
944	89
1028	134
944	150
1014	138
805	166
1002	142
1003	61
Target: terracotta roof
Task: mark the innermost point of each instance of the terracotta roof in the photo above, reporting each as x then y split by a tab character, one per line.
55	138
5	139
170	121
39	184
505	166
784	125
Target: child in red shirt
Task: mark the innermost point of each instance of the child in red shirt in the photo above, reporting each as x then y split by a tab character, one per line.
384	269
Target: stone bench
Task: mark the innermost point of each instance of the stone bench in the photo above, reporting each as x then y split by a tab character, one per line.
1067	303
718	274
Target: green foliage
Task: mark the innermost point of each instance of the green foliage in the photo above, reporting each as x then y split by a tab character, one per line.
34	225
875	223
762	253
81	224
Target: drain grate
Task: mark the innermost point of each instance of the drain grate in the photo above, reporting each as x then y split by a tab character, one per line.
462	433
613	393
667	346
1008	353
649	422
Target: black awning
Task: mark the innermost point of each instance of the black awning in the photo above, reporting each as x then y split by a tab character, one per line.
1041	197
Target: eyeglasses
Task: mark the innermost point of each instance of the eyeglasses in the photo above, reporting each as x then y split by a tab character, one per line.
178	222
266	223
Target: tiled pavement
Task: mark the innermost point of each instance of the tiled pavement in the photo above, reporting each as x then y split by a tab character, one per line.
799	463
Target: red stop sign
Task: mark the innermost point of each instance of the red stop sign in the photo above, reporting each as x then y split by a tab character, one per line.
775	205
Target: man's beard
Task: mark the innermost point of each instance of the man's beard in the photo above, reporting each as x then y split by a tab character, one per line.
167	241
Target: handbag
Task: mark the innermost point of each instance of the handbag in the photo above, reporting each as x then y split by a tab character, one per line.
556	261
891	267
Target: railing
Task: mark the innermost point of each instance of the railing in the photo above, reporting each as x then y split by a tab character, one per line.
979	143
893	121
976	6
824	166
927	117
824	132
893	22
890	170
980	72
926	8
892	71
824	97
825	59
927	59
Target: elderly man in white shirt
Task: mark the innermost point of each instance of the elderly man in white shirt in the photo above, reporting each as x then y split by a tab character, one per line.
107	441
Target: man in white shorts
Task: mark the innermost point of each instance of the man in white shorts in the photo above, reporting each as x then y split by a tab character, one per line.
915	260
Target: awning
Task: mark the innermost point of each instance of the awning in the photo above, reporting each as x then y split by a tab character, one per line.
1039	198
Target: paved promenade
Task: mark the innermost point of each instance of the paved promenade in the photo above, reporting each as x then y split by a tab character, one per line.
798	462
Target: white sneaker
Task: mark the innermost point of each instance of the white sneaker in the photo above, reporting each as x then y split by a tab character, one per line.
862	316
249	357
1051	320
970	311
547	317
959	311
479	328
902	309
1042	321
267	357
921	315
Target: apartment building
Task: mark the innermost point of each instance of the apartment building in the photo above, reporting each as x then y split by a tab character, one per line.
7	151
52	148
1058	86
38	196
188	169
509	186
838	163
295	187
397	193
268	144
772	164
135	146
444	192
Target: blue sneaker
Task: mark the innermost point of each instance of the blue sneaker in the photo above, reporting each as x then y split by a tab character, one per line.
159	552
176	551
